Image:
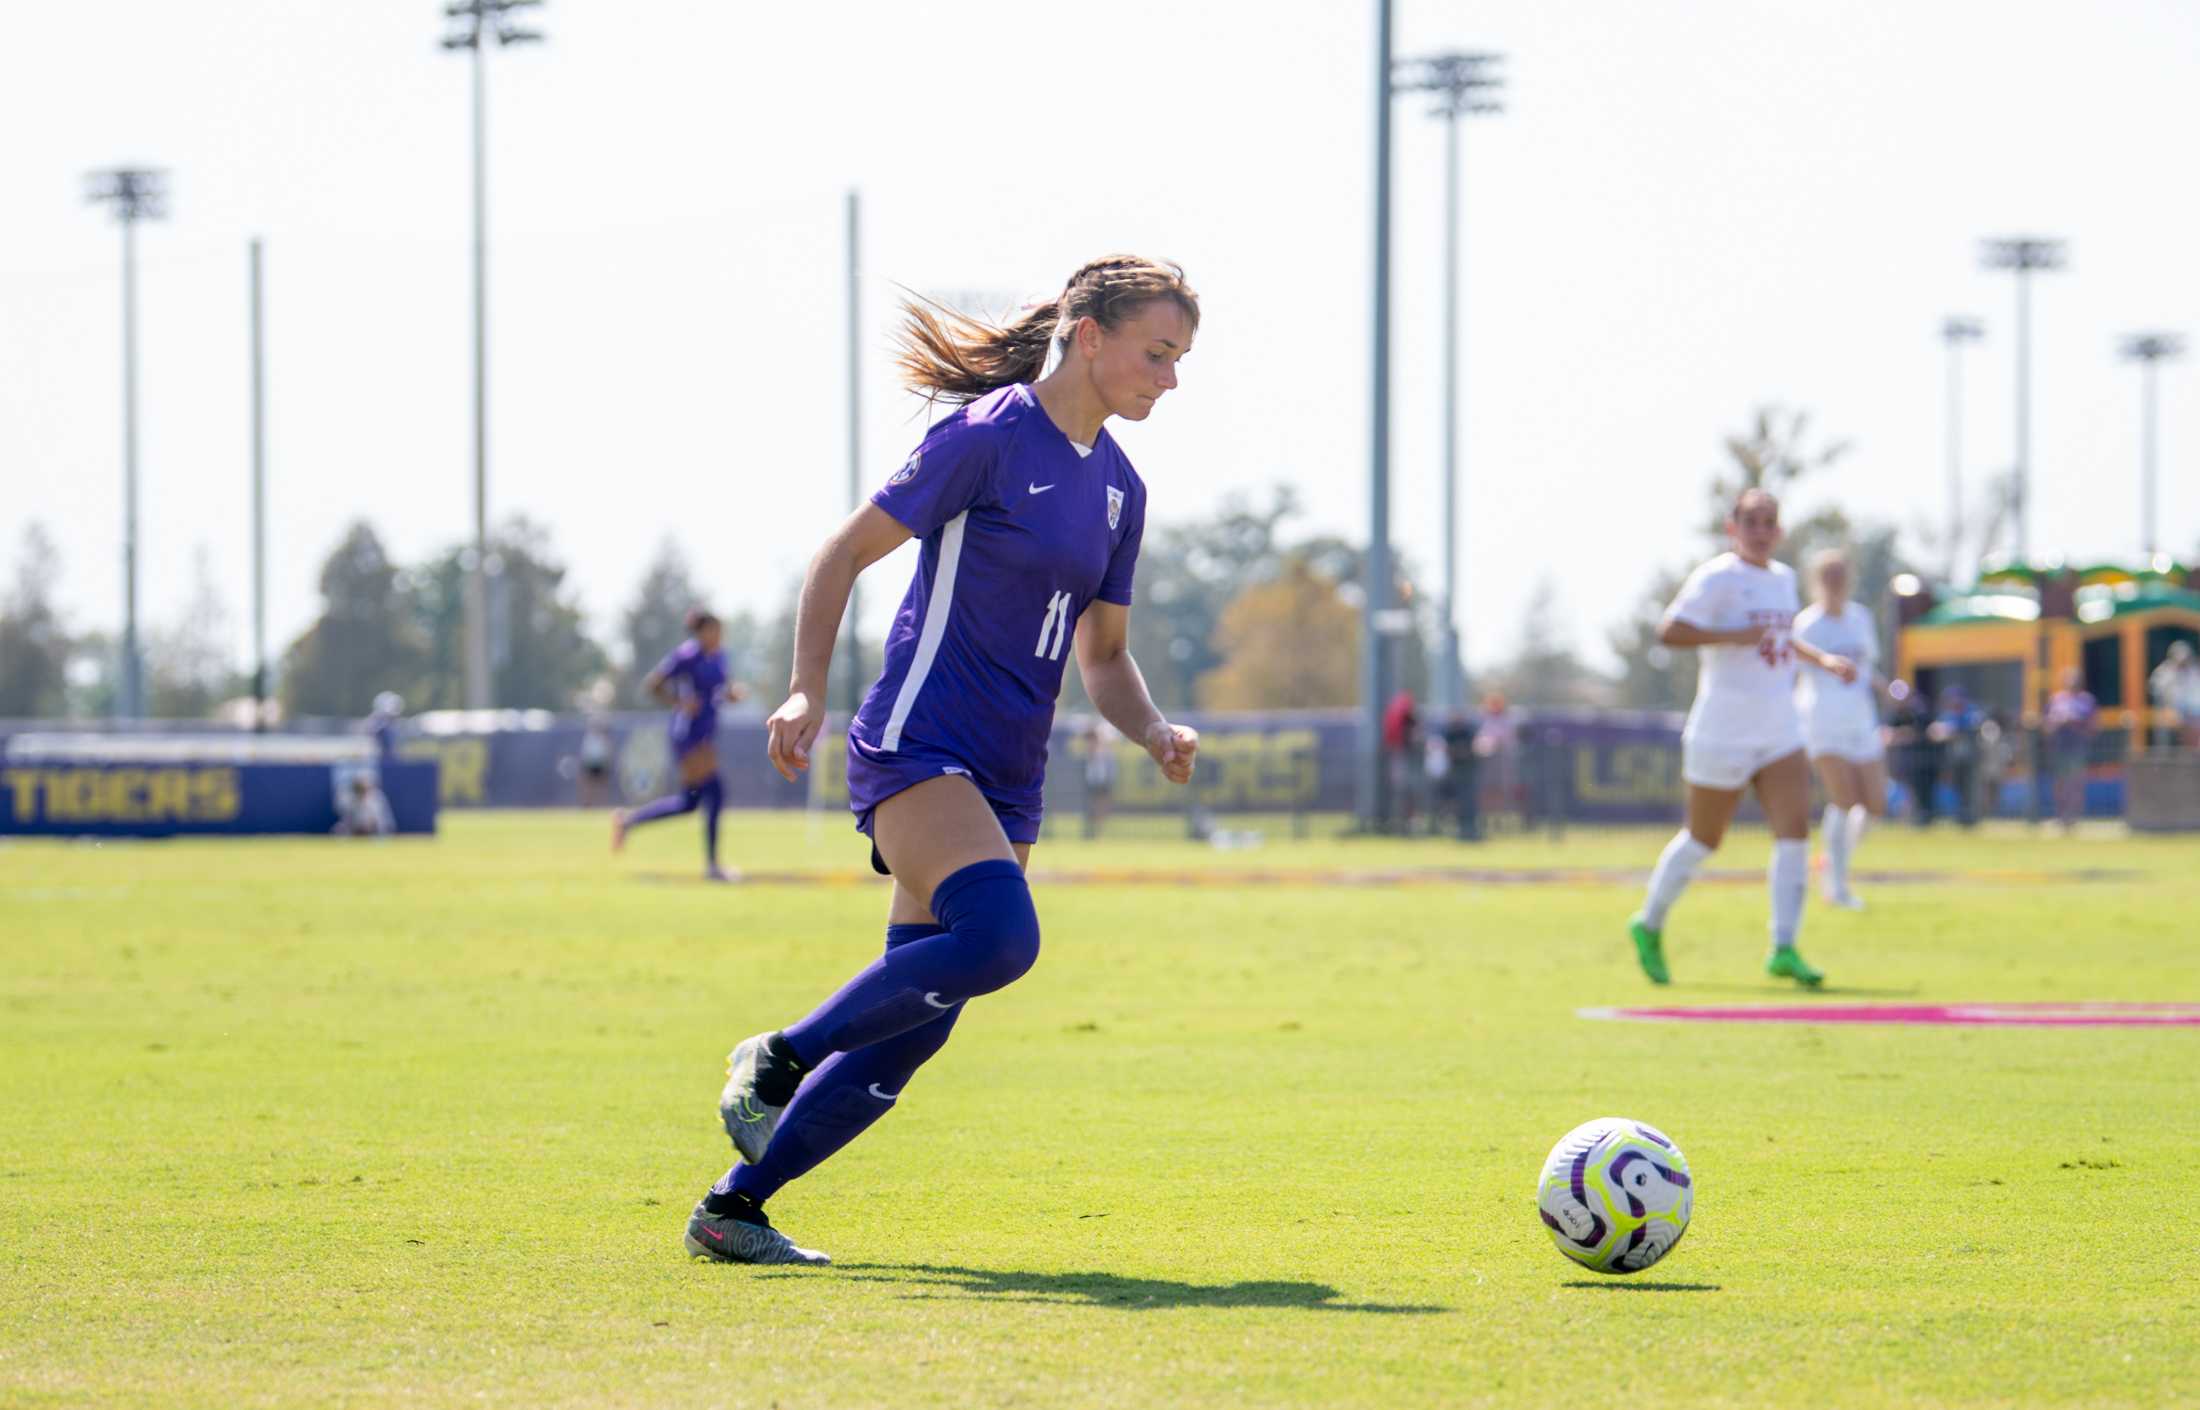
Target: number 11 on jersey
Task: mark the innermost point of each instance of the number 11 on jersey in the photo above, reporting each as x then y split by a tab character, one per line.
1056	627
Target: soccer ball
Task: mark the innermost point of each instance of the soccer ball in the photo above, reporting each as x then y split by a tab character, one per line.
1616	1195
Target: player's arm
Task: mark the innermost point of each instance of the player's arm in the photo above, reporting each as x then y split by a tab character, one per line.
1118	689
863	538
1840	667
1679	631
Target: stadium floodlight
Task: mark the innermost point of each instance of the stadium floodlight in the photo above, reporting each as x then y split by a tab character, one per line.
135	193
1464	85
2023	254
1374	791
2147	349
1956	330
476	24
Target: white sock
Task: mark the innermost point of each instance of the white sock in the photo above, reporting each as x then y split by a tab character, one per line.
1860	821
1789	876
1834	828
1675	869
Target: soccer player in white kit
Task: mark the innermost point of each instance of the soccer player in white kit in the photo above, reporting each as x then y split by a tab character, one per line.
1743	730
1841	720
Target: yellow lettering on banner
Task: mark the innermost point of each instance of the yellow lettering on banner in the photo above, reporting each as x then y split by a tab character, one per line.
168	795
215	796
125	789
1636	773
465	769
72	795
22	785
1278	771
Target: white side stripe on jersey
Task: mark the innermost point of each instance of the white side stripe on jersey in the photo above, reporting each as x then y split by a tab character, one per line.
936	606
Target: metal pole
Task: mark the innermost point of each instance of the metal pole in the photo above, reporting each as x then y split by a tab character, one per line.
1374	788
259	499
1449	688
852	667
2146	460
2023	506
1955	457
133	677
479	689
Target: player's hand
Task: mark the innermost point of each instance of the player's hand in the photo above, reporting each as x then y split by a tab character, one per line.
691	707
790	732
1173	747
736	692
1749	635
1842	667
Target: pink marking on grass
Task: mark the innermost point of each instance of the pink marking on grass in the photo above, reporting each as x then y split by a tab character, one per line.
2087	1014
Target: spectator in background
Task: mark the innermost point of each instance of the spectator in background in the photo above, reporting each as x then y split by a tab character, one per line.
1100	738
1401	735
389	708
2072	717
595	760
1955	729
1497	752
2175	686
365	811
1917	753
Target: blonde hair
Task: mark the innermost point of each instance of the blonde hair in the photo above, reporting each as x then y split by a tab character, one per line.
951	356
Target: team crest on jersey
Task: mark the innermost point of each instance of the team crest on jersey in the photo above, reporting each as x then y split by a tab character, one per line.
907	472
1115	506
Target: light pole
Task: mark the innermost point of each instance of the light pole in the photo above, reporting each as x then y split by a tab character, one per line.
2147	349
1374	790
2023	254
136	193
259	499
475	23
1955	331
1464	84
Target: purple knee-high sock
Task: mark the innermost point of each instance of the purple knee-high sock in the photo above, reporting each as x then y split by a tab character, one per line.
840	1100
712	798
669	806
990	938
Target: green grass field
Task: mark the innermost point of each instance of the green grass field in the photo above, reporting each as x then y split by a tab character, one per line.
306	1122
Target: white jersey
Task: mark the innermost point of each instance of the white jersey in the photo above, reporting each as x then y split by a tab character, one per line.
1825	700
1745	695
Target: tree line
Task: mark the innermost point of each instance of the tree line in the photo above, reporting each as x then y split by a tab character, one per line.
1236	610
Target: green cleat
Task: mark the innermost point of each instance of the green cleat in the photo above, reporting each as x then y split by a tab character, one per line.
1787	964
1650	949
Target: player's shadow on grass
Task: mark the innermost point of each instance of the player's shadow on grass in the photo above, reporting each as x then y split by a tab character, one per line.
1107	1290
1797	992
1607	1286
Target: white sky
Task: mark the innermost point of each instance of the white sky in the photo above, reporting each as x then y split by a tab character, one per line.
1684	210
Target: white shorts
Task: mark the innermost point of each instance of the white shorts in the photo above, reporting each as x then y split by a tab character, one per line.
1853	740
1710	763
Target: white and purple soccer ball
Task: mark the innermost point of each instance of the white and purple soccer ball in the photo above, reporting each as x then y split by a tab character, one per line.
1616	1195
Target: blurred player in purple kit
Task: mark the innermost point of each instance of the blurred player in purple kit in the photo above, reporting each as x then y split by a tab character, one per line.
1031	519
692	681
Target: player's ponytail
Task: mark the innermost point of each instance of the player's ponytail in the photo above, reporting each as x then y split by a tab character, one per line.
951	356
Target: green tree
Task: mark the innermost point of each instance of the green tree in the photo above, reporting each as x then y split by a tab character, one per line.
1545	669
34	642
366	639
188	666
655	621
540	653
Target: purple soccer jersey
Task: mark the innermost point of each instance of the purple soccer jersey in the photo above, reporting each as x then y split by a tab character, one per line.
1020	531
697	675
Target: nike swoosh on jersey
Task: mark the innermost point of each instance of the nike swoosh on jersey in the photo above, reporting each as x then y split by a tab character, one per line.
1039	489
933	998
883	1096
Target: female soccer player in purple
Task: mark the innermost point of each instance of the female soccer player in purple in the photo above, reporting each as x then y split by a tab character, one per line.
1030	518
692	681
